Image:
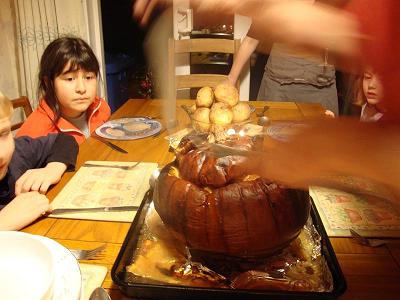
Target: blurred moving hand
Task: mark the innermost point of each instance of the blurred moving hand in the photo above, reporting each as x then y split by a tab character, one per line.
293	22
333	148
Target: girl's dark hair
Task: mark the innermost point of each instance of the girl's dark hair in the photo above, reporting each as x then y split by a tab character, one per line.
55	57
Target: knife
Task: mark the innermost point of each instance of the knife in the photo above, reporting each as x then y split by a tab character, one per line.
58	211
111	145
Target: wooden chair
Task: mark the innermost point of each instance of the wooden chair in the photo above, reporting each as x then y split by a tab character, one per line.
21	102
177	82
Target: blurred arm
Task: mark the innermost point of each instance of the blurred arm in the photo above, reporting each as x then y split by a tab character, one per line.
246	49
313	26
329	149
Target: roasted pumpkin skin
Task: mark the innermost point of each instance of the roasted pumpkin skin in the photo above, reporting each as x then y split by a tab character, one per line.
213	207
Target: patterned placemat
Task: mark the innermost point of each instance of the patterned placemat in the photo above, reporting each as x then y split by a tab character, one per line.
92	277
105	186
369	216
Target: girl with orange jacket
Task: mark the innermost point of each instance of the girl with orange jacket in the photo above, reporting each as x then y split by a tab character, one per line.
67	82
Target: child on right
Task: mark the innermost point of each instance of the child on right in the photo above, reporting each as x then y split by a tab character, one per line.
371	110
68	83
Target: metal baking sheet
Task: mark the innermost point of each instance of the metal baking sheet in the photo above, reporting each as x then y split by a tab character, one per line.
159	291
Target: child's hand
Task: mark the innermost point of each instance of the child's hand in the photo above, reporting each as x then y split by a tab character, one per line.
329	113
40	179
23	210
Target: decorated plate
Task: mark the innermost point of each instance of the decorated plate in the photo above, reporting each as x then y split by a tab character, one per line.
129	128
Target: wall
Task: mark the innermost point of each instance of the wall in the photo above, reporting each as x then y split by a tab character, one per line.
9	77
26	27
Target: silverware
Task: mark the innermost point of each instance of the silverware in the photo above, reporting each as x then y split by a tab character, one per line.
58	211
87	254
99	294
88	165
370	242
111	145
264	120
260	114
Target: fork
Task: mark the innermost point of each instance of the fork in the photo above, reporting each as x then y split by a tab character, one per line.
370	242
87	254
112	166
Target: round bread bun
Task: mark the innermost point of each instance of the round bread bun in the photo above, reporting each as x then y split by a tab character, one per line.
201	119
219	105
221	115
205	97
241	112
226	93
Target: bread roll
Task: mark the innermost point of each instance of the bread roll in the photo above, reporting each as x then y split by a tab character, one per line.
241	112
221	115
226	93
201	119
219	105
205	97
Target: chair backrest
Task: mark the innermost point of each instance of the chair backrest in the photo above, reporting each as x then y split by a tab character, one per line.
198	45
21	102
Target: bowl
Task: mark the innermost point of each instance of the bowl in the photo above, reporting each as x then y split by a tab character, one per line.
26	266
221	131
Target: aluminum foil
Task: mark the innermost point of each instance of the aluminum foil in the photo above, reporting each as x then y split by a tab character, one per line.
161	258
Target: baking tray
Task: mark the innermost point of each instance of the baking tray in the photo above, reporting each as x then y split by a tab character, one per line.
159	291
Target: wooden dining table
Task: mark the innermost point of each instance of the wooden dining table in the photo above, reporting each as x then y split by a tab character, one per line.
371	273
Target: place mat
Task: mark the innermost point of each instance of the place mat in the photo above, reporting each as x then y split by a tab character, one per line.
369	216
129	128
101	186
92	277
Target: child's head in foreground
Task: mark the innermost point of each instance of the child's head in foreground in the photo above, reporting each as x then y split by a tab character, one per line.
6	138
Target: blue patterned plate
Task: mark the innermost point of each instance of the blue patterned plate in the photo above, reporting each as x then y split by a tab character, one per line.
129	128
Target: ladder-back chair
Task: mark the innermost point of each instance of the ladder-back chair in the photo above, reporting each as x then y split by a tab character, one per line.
177	82
21	102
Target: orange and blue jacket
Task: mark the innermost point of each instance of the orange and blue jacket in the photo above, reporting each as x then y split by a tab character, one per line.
40	122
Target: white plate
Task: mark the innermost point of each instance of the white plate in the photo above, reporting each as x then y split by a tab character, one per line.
25	262
67	279
129	128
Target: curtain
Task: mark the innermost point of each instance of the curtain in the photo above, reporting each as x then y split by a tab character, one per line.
38	22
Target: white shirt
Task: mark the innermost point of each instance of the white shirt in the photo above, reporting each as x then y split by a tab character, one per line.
81	123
